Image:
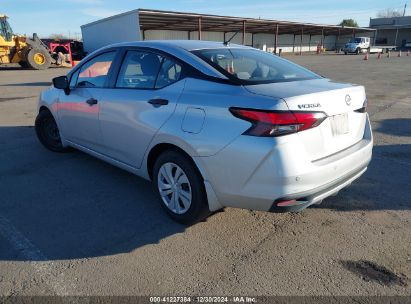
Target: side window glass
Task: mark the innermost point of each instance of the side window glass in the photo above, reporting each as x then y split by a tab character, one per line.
170	72
73	79
94	73
139	70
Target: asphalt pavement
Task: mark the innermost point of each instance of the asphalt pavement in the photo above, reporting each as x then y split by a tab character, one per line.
73	225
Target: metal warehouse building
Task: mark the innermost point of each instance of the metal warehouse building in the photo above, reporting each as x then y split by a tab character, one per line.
266	34
392	31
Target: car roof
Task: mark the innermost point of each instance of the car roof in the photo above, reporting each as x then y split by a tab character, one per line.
188	45
180	49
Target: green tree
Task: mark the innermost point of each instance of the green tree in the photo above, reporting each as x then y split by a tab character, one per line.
349	22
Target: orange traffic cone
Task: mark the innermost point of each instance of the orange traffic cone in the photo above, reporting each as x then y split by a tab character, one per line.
399	54
366	56
379	56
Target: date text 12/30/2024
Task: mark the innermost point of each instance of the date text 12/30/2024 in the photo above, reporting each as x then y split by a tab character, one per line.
203	299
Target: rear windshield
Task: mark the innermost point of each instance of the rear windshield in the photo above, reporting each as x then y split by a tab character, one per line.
250	66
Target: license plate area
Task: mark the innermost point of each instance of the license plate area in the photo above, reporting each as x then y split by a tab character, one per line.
339	124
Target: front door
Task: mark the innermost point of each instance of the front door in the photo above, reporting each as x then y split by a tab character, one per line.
145	95
79	111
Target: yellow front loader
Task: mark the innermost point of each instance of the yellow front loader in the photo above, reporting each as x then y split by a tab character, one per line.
28	52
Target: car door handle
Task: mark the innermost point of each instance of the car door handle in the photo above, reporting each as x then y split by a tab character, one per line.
92	101
158	102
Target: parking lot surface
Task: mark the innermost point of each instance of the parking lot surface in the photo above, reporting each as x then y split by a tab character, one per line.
73	225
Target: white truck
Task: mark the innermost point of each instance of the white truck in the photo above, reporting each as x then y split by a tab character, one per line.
360	45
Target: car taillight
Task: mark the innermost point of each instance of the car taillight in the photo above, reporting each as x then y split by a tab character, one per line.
278	123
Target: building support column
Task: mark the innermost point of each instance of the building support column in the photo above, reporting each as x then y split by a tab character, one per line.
252	39
276	39
309	43
396	37
243	32
188	35
336	40
144	34
293	43
301	41
375	37
322	38
199	28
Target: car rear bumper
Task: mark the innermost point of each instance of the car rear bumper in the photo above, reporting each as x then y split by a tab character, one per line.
254	174
300	201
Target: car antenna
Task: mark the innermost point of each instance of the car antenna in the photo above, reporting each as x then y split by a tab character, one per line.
226	42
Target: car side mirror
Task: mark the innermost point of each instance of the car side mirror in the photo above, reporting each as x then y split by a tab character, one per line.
62	83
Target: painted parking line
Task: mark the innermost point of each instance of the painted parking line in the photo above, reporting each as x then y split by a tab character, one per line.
45	268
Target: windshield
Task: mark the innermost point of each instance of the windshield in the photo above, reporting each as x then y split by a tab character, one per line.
250	66
355	40
5	29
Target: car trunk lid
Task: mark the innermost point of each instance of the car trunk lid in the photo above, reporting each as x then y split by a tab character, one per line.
343	127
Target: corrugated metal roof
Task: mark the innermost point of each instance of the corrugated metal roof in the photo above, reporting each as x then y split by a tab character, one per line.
169	20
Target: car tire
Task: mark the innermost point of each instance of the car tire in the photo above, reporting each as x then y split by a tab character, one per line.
180	187
345	53
357	51
48	133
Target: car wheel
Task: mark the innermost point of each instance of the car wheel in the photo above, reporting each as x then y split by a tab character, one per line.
357	51
345	53
48	133
180	187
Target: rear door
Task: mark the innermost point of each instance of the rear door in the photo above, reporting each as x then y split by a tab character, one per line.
143	96
79	111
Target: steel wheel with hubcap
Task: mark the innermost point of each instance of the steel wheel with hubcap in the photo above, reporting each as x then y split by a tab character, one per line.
48	132
180	187
174	188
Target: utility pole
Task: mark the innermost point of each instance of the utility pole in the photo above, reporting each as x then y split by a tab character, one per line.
405	8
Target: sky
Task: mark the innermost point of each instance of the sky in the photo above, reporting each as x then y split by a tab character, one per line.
47	17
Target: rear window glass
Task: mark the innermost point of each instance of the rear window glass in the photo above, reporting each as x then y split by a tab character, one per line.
146	70
170	72
139	70
250	66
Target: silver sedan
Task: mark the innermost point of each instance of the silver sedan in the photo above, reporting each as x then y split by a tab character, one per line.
212	125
